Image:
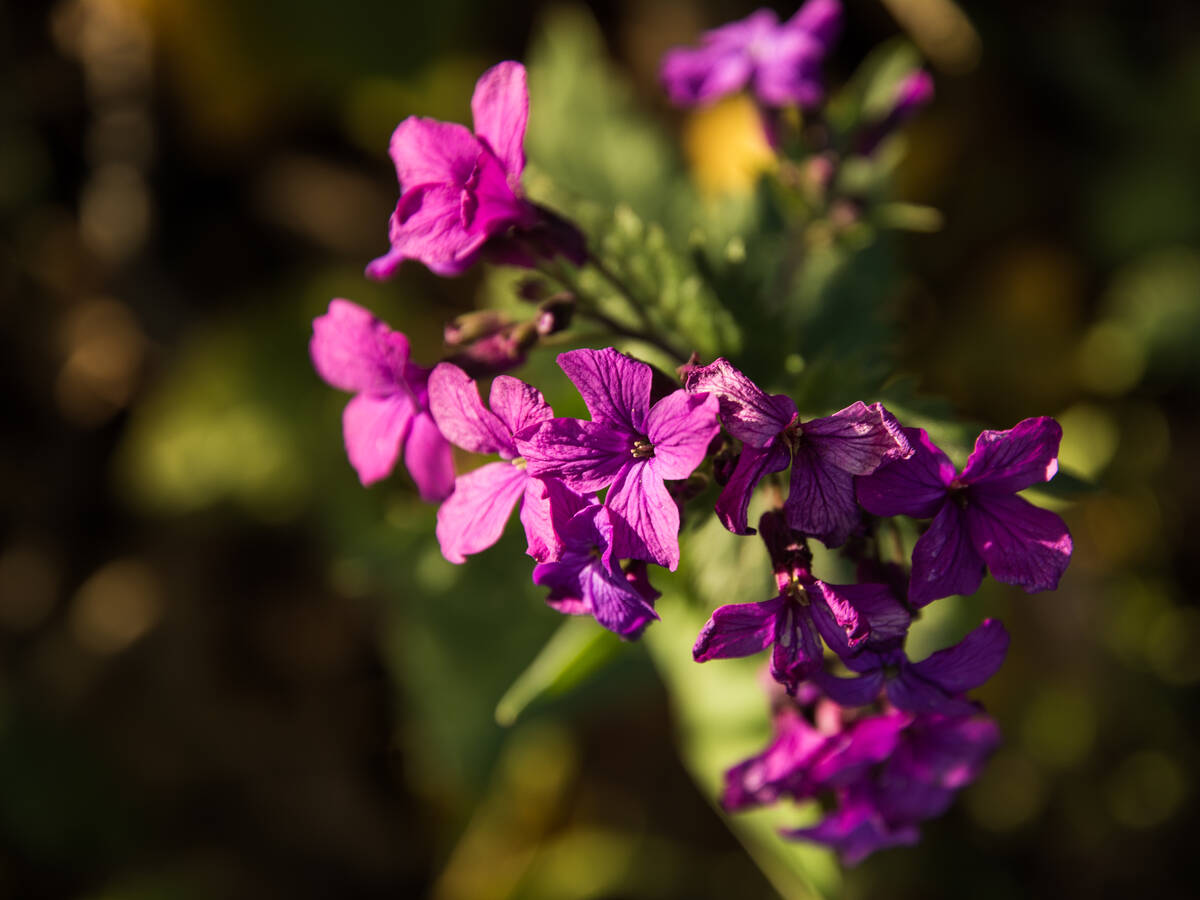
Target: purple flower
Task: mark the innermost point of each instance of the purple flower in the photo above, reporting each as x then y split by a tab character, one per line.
630	447
825	454
804	611
587	580
354	351
780	770
474	516
978	520
781	64
914	92
935	684
461	193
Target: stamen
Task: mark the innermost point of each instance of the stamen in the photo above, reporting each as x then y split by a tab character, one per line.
642	450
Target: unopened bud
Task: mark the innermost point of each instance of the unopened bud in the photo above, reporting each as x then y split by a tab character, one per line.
472	326
554	314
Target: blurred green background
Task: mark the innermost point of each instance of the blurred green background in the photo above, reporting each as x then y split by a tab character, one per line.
228	671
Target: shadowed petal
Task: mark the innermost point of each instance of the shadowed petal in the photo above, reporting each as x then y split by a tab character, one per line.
500	107
778	770
821	19
547	508
909	691
750	415
586	455
1021	543
474	516
863	613
615	388
681	426
517	404
374	429
798	649
970	662
821	500
944	561
851	692
645	517
354	351
858	439
1009	461
429	459
460	414
614	601
733	504
915	486
736	630
856	830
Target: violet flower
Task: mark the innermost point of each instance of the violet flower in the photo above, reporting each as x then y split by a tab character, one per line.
934	685
780	64
978	519
461	193
474	516
630	447
781	769
354	351
587	580
803	612
914	92
825	454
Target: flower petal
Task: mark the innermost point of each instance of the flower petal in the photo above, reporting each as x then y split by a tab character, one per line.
374	429
460	414
615	388
738	629
821	500
500	107
750	415
645	516
517	404
427	151
780	769
867	613
429	459
851	692
428	226
858	439
910	692
915	486
734	502
1009	461
588	456
944	561
681	426
1021	543
856	830
354	351
822	19
970	662
473	517
614	602
798	651
547	508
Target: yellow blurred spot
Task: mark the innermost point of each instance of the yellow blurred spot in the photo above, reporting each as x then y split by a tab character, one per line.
115	212
1109	359
1171	642
115	607
1145	790
1061	726
1009	794
1121	528
726	146
28	583
103	346
941	30
1090	438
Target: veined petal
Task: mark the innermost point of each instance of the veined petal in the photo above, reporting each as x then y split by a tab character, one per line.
645	517
944	561
798	652
737	630
614	601
586	455
547	507
970	662
680	426
427	151
459	413
473	517
858	439
734	503
867	613
374	428
750	415
428	226
1009	461
1021	543
354	351
517	404
429	459
500	107
821	500
615	388
915	486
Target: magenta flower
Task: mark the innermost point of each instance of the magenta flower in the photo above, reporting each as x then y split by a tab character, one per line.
630	447
781	769
461	192
825	454
354	351
934	685
474	516
780	64
913	92
803	612
587	579
978	520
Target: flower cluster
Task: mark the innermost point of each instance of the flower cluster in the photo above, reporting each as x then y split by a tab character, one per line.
886	739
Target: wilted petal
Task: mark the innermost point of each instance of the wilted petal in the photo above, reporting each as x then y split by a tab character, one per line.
915	486
737	630
615	388
680	426
1021	543
734	502
547	508
354	351
517	404
588	456
821	500
1009	461
645	516
374	429
429	459
460	414
500	107
859	438
944	561
426	151
474	516
970	662
750	415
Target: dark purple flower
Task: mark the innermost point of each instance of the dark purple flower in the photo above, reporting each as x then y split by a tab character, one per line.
630	447
780	64
461	192
978	520
825	454
804	611
587	579
935	684
354	351
781	769
474	516
913	92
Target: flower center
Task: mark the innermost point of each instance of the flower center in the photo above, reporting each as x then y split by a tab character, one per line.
642	449
519	462
796	591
